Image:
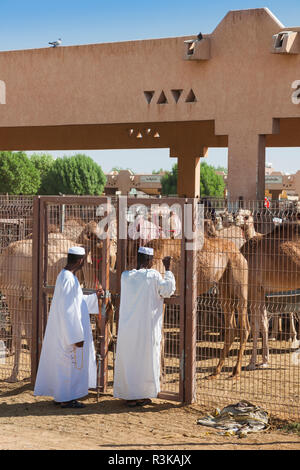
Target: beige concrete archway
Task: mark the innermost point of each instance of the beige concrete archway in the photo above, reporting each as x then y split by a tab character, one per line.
237	87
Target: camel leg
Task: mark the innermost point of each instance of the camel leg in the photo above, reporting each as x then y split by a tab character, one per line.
254	321
275	327
228	340
15	313
244	329
259	322
238	288
293	332
242	308
264	326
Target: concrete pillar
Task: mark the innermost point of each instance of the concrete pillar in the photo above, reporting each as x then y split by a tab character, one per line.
246	167
188	182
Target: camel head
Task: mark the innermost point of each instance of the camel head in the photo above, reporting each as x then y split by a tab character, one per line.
90	236
227	219
219	223
244	218
209	228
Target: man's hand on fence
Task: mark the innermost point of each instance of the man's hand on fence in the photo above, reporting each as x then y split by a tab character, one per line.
100	292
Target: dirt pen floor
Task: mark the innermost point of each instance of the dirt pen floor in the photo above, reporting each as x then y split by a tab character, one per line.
35	423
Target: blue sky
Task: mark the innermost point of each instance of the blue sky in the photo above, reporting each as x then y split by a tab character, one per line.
26	24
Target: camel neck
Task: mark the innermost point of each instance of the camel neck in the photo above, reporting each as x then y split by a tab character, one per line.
250	232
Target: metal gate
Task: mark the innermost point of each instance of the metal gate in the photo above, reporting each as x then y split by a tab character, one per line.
60	222
146	221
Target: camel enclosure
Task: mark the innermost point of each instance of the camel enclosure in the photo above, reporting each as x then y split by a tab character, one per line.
231	330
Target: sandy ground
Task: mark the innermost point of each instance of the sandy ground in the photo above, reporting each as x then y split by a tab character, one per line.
31	423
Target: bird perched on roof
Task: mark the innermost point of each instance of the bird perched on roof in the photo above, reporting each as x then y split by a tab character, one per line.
55	43
192	43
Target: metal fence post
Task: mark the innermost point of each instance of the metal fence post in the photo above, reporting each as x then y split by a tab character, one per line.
190	319
35	287
102	385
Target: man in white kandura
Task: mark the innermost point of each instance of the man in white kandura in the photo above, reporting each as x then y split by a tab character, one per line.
137	367
67	367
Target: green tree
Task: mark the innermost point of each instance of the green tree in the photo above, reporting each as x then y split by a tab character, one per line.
169	181
78	174
43	163
211	184
18	175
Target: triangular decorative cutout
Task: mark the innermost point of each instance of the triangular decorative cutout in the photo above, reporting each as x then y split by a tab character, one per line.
176	94
162	99
149	96
191	98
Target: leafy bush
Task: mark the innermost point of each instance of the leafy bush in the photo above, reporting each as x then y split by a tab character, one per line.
78	175
18	175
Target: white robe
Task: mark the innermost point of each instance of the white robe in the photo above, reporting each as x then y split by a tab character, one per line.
137	367
66	372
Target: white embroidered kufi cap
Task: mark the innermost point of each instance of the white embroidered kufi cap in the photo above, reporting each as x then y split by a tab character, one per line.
146	251
76	250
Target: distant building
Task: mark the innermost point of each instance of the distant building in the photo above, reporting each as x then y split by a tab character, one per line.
126	182
280	185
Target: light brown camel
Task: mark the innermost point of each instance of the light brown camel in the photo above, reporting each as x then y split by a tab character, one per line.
92	236
245	221
274	265
228	226
218	262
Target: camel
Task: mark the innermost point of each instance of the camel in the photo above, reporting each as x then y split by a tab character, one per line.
92	236
16	279
244	219
274	265
226	227
218	262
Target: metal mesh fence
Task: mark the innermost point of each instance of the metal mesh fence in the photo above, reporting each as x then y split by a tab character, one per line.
248	316
15	287
79	223
248	292
171	366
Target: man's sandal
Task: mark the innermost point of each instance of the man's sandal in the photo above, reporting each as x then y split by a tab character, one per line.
73	404
131	403
144	401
